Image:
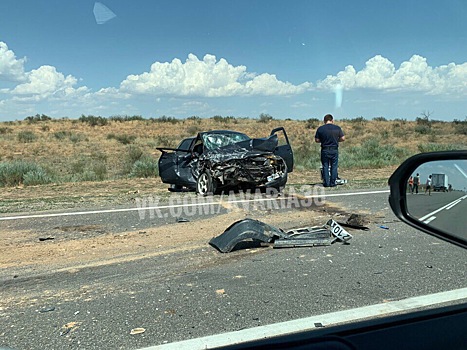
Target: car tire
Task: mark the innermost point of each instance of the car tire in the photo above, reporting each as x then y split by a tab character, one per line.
205	184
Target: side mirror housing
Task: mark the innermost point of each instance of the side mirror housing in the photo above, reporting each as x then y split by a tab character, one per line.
440	206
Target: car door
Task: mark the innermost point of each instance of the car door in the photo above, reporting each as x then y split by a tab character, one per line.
174	163
284	149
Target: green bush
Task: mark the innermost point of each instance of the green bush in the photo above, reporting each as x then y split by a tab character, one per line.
265	118
436	147
5	130
36	177
125	118
145	167
423	129
371	154
165	119
60	135
313	123
123	139
93	120
37	118
26	136
17	172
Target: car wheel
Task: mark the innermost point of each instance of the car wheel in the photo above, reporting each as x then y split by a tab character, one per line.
205	184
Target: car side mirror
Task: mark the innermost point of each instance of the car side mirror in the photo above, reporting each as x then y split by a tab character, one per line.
429	192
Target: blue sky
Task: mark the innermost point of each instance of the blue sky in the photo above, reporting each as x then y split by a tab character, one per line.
294	59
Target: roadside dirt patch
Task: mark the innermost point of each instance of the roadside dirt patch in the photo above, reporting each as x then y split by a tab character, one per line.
22	250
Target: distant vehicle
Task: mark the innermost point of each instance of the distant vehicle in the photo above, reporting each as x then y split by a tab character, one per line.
439	182
221	159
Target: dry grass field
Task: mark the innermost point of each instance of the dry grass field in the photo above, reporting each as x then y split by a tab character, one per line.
64	155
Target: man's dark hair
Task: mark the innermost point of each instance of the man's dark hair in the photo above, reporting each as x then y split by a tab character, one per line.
328	118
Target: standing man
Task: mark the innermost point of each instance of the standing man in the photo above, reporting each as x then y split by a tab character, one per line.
416	183
428	185
329	135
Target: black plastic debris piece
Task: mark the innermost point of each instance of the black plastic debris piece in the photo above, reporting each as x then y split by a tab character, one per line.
254	230
47	309
247	229
42	239
181	219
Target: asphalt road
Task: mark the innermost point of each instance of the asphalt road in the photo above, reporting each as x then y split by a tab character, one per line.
186	295
443	210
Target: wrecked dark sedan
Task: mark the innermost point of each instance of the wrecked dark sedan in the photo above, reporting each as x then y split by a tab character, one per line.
223	159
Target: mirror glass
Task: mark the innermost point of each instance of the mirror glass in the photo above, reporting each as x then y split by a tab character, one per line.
437	195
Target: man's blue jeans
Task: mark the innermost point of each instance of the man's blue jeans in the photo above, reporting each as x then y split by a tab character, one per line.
329	158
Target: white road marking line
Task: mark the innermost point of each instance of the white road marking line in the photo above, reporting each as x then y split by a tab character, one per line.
437	210
429	220
307	324
34	216
453	204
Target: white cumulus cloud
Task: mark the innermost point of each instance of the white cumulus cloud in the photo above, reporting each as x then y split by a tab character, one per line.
45	82
11	68
412	75
208	77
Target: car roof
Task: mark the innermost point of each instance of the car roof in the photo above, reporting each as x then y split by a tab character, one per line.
222	132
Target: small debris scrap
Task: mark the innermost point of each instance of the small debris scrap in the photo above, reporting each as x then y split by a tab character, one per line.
42	239
384	227
47	309
69	327
220	292
180	219
139	330
318	325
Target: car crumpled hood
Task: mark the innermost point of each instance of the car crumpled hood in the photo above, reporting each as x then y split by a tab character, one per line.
242	150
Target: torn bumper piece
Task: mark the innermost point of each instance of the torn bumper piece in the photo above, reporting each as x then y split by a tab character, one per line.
250	229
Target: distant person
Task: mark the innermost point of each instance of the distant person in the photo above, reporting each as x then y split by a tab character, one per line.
416	183
329	135
428	185
450	188
411	184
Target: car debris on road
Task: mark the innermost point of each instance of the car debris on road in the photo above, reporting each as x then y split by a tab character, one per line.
250	229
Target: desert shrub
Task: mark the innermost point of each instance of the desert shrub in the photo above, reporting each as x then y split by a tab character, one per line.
194	118
221	119
193	130
45	128
423	129
145	167
61	135
5	130
435	147
15	172
36	177
423	121
307	155
125	118
75	138
380	119
371	154
37	118
26	136
460	126
165	119
93	120
123	138
265	118
312	123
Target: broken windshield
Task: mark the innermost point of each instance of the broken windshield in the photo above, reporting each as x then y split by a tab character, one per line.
215	140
